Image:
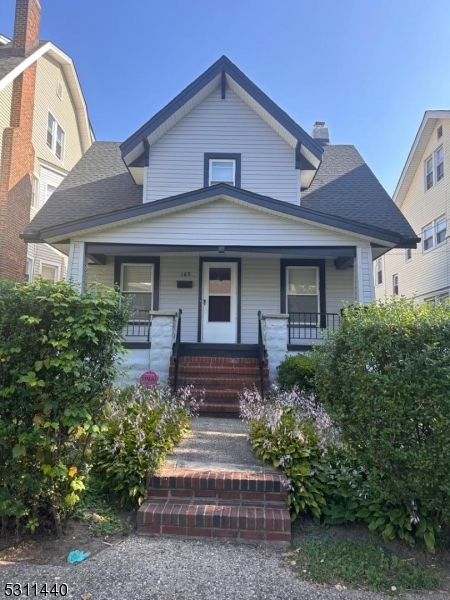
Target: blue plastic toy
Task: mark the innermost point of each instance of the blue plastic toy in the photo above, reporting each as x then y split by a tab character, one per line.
77	556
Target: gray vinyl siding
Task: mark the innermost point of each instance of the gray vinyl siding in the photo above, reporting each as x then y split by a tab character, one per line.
216	125
223	223
260	289
47	76
366	291
5	112
43	253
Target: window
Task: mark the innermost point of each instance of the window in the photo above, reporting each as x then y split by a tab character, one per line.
441	230
395	284
35	193
434	168
440	164
439	132
222	168
55	137
29	270
59	90
434	234
408	254
137	284
303	293
49	271
49	191
428	237
379	271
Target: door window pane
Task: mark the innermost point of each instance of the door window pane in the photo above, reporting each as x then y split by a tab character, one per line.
219	309
219	281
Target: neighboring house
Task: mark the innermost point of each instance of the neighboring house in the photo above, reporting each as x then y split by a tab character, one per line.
44	131
423	196
222	206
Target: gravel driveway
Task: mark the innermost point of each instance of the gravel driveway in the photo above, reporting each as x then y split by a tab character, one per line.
176	569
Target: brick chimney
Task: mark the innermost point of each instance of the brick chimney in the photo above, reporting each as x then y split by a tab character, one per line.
321	133
17	165
26	25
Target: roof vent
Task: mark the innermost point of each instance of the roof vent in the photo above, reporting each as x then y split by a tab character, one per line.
321	133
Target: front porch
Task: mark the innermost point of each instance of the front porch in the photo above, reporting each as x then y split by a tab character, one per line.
235	303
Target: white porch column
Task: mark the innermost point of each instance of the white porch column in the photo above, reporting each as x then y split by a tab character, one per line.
364	284
275	334
77	267
161	339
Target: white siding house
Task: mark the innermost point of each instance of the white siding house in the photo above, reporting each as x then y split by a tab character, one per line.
423	196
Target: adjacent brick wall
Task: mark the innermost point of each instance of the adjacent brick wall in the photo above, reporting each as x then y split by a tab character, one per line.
16	175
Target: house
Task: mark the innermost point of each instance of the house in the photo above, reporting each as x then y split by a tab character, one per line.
238	235
44	131
423	196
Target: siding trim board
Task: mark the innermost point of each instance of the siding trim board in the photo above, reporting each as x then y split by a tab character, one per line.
320	263
211	193
149	260
201	261
220	67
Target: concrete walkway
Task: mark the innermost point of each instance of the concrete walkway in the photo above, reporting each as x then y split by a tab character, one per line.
219	445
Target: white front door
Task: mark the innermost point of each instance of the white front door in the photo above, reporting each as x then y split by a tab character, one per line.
219	302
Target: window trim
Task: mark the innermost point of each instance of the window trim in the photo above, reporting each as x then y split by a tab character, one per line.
139	260
50	263
55	126
320	263
209	156
395	285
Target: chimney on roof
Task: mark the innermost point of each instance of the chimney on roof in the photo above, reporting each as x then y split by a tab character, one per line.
26	26
321	133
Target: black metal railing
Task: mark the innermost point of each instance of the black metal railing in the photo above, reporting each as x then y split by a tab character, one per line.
176	351
261	354
138	325
312	326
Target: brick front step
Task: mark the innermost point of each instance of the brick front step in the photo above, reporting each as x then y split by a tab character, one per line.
243	523
218	371
219	497
220	382
184	479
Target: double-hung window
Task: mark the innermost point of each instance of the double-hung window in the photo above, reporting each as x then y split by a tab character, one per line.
408	254
379	270
428	237
395	284
441	230
137	285
434	168
49	271
434	234
55	137
303	295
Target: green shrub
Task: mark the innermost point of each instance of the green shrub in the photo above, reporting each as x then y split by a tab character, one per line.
141	426
297	371
385	379
58	353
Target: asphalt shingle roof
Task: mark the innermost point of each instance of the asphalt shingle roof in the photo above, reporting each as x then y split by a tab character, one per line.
9	60
100	183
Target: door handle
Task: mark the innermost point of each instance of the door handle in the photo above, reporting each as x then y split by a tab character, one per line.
204	302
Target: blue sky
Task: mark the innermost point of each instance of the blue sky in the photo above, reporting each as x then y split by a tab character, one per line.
369	68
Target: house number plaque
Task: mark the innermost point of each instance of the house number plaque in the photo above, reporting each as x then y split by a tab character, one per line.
185	274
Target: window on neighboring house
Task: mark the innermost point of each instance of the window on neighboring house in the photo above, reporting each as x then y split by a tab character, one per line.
379	269
439	132
55	137
429	173
137	284
434	234
49	191
408	254
395	285
428	237
222	171
434	168
49	271
303	293
35	193
439	158
29	270
441	230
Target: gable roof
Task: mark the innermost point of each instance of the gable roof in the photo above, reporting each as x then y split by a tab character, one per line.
12	65
222	73
100	190
345	186
429	121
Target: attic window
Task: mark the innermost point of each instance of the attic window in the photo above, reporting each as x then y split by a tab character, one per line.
59	90
222	168
439	132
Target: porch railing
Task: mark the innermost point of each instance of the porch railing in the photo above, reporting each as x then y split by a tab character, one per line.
176	351
312	326
138	327
261	354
